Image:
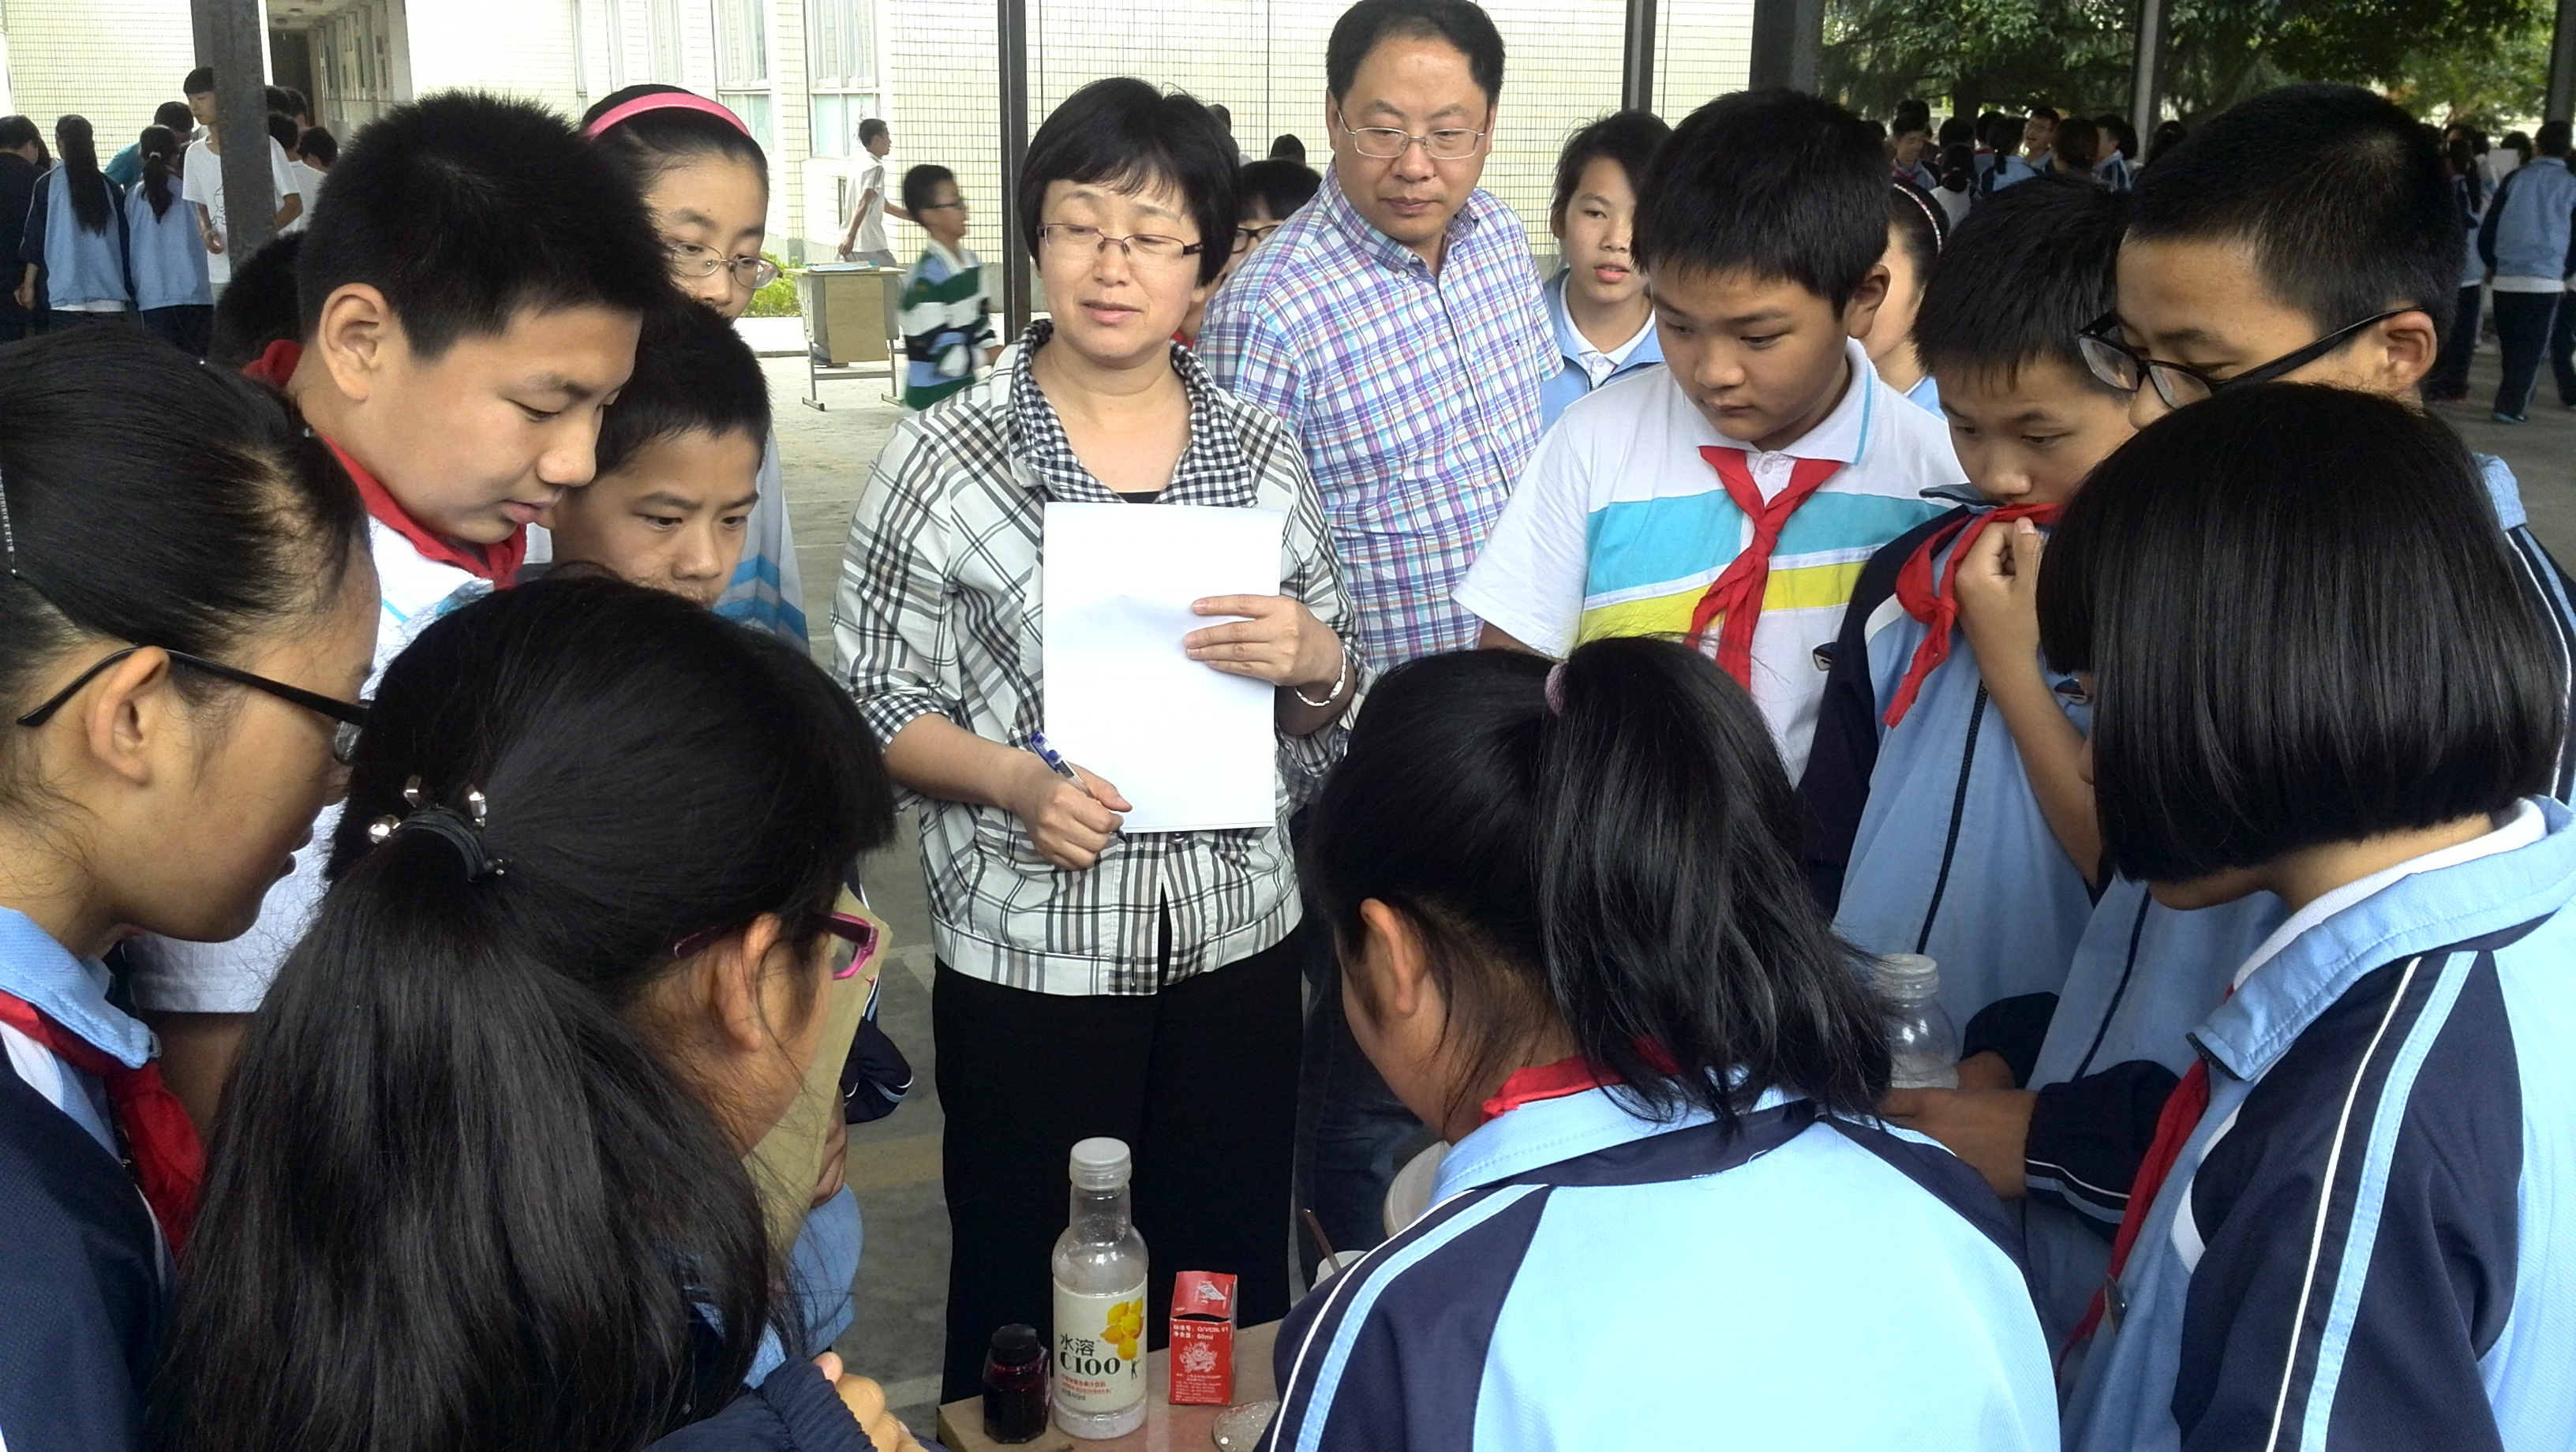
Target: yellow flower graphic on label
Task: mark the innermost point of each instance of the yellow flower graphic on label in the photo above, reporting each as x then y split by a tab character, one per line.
1126	1324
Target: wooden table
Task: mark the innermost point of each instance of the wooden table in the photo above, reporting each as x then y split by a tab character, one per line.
1167	1428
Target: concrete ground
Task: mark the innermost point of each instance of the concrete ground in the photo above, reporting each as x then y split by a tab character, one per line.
894	1163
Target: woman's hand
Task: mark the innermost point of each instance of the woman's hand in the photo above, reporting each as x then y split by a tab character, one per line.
1279	640
866	1401
1070	825
1988	1128
1998	588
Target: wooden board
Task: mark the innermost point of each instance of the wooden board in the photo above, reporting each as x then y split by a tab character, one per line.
1167	1428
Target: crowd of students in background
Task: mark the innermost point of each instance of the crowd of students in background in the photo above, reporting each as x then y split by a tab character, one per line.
435	980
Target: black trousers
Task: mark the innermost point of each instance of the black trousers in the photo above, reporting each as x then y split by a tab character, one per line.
1199	1079
2449	379
2562	350
2522	335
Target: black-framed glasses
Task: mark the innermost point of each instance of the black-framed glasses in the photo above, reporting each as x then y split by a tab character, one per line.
351	716
2180	384
1247	238
1142	246
1386	143
688	259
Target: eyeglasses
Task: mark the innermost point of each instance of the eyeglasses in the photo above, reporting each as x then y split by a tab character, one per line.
1247	238
351	715
850	928
1386	143
688	259
2180	384
959	204
1142	247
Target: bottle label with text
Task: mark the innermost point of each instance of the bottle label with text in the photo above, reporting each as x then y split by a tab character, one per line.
1099	1350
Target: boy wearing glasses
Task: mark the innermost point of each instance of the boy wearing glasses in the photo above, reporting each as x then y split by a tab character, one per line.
947	320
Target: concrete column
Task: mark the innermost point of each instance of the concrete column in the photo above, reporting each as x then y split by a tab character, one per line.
1637	71
2146	72
231	37
1788	43
1014	51
2561	100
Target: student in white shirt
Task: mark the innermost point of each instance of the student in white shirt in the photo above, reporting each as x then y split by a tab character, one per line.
306	181
865	238
203	186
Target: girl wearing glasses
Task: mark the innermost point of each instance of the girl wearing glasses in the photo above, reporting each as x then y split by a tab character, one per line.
1093	981
185	613
706	182
480	1181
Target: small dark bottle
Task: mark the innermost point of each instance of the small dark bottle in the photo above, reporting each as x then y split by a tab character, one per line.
1015	1386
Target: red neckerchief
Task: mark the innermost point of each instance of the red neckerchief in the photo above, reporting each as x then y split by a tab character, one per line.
1545	1081
168	1161
2182	1114
1938	606
497	563
1736	594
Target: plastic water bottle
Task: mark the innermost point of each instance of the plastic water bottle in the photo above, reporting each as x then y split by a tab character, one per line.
1920	1036
1099	1269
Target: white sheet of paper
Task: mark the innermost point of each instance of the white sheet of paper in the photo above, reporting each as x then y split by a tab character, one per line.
1192	747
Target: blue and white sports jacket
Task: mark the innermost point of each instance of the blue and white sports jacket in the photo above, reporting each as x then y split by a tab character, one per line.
2366	1242
1925	837
1587	1278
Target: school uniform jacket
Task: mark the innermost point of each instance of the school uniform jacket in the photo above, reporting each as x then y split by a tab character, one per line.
792	1410
2143	975
1587	1278
2365	1243
1925	837
81	266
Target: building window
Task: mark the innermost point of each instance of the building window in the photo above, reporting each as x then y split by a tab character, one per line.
742	64
841	69
670	45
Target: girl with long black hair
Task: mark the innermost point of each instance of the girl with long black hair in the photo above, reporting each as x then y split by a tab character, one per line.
1574	940
76	235
479	1179
165	252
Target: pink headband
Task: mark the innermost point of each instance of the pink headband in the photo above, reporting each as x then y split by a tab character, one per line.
662	101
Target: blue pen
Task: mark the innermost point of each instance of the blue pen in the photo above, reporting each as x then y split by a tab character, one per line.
1055	763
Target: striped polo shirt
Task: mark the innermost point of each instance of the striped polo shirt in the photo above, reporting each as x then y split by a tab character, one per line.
1619	526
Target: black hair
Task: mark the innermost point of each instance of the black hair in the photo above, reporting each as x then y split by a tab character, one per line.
1911	114
2123	135
1288	146
1217	110
1772	182
870	130
281	129
318	144
1123	134
2003	133
93	206
199	81
2043	113
1625	865
2304	627
2552	138
1957	131
277	101
1281	187
2342	197
1920	223
2028	268
2168	135
920	184
692	372
258	307
1958	167
1462	23
160	149
1877	128
463	1194
2078	133
1629	138
223	520
17	131
644	146
464	209
2517	142
176	116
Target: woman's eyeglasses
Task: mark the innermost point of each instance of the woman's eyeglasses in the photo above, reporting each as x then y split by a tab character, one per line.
850	928
688	259
351	716
2180	384
1142	246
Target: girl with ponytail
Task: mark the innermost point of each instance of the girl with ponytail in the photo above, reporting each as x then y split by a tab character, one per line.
165	253
1575	941
479	1182
76	235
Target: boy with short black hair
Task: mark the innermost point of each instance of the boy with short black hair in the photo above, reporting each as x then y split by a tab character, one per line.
1734	493
468	305
679	461
947	320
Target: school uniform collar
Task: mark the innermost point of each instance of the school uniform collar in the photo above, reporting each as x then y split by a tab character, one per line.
1213	468
2503	490
2522	870
1644	348
70	991
496	565
1385	251
1544	1132
958	258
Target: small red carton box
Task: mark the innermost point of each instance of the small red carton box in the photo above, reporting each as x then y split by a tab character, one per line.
1202	1339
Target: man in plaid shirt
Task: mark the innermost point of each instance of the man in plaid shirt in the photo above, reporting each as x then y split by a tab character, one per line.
1395	323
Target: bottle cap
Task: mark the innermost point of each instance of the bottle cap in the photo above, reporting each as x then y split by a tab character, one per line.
1100	1163
1908	975
1015	1345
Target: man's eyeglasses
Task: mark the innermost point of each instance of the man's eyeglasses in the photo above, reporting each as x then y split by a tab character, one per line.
688	259
1386	143
1247	238
850	928
351	715
2180	384
1143	246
